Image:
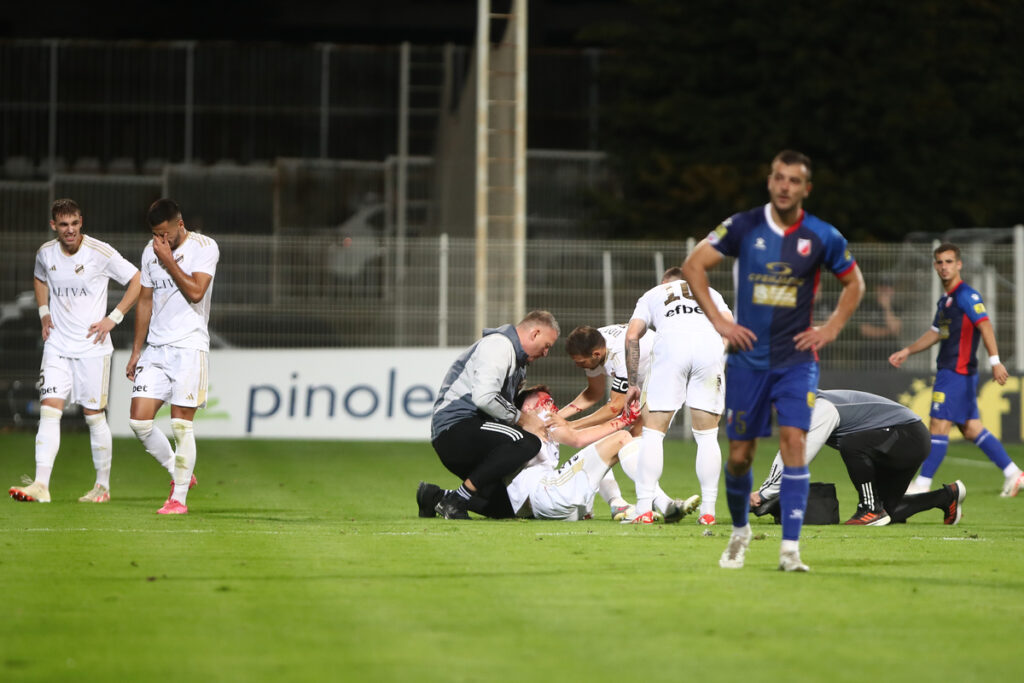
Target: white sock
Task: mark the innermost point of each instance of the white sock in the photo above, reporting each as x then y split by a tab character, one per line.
155	443
184	457
610	491
628	459
709	467
650	463
1011	470
923	483
102	447
789	546
47	442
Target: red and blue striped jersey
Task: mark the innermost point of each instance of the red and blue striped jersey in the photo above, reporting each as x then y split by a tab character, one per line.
776	273
956	320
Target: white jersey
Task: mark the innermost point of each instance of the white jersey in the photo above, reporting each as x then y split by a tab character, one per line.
543	464
175	321
615	362
78	293
671	310
688	362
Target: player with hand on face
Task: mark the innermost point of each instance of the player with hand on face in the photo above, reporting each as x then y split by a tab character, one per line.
178	267
476	430
543	490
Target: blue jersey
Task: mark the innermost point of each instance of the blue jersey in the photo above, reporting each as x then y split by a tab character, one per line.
956	319
777	271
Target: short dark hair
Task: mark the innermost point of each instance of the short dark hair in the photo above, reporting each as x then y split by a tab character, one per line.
791	157
526	393
542	318
64	207
584	340
675	273
161	211
947	246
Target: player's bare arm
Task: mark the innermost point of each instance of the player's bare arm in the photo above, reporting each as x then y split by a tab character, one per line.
988	337
926	340
849	298
101	328
42	292
193	287
564	433
636	330
592	394
703	258
143	313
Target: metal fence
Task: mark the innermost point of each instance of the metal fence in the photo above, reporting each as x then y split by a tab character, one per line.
319	291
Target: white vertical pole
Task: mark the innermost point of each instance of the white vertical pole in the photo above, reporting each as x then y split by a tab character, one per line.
442	292
606	271
1018	297
659	265
483	47
401	193
519	181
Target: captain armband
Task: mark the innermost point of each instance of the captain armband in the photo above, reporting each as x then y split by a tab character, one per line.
116	315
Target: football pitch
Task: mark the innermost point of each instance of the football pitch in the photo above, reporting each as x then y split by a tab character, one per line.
306	561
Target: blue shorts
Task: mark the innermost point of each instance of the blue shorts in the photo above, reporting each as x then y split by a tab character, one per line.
750	395
955	397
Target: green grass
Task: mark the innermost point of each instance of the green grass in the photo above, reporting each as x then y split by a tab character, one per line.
305	561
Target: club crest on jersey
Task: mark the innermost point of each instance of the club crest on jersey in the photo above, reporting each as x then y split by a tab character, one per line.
803	246
79	269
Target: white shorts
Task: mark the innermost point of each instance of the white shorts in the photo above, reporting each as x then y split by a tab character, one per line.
568	494
690	374
84	381
172	374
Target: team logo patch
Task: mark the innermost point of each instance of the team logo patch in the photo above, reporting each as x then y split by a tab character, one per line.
803	246
759	244
79	269
979	308
938	397
716	235
810	399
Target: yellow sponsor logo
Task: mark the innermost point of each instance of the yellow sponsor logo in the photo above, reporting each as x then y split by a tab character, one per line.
979	308
810	399
938	397
775	295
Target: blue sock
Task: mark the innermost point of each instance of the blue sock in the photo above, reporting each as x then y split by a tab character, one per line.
931	464
796	482
737	493
993	448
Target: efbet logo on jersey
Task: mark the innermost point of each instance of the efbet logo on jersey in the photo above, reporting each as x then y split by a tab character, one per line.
803	246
